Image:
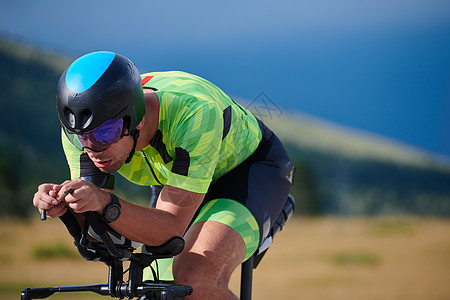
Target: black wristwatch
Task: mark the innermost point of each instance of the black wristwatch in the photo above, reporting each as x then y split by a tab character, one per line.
112	210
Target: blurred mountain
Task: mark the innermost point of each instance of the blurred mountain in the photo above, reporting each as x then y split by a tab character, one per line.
346	171
339	170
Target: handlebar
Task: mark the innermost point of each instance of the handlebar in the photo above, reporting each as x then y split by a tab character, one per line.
167	291
113	256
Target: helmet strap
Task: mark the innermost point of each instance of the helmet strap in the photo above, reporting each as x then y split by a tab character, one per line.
135	134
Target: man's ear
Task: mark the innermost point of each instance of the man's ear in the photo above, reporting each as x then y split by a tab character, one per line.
141	124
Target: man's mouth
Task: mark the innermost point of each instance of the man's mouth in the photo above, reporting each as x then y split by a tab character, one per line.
102	164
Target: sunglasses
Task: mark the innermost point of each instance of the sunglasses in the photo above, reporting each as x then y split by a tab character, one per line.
99	139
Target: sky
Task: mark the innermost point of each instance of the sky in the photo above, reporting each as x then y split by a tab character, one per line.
375	65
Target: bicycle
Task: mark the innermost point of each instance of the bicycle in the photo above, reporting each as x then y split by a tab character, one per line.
114	255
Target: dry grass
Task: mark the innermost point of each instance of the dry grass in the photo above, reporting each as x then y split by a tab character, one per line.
324	258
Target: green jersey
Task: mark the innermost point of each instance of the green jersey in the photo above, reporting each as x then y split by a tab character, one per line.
202	134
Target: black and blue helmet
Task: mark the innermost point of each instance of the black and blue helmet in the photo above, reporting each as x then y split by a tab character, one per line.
98	87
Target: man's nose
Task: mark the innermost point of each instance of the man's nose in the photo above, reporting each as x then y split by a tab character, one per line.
91	153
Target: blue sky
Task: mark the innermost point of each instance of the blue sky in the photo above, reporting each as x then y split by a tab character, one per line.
381	66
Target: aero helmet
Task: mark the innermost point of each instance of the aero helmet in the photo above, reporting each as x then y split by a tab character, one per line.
98	87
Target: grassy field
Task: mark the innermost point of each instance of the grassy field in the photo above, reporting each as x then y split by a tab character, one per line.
313	258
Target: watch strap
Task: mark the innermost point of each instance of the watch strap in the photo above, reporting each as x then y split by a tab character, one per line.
114	199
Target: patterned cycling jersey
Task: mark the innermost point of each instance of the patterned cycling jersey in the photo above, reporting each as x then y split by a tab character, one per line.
202	134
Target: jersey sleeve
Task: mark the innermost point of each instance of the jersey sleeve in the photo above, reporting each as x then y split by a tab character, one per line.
195	140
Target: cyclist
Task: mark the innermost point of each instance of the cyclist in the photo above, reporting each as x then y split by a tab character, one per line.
225	175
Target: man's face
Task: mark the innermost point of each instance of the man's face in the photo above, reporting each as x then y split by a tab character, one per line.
111	159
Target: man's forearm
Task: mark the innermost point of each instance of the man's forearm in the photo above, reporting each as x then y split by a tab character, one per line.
146	225
154	226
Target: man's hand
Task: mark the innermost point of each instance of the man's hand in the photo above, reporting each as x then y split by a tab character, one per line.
84	197
46	198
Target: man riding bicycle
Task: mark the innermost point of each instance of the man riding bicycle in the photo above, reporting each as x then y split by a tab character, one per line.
225	175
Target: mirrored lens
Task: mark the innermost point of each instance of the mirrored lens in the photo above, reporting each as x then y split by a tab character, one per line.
100	138
73	138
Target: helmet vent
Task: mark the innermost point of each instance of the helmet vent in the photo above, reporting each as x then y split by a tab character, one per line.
70	117
86	118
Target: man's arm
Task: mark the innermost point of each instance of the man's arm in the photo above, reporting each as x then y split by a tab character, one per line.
151	226
154	226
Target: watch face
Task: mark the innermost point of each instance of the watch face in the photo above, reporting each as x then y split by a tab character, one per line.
112	213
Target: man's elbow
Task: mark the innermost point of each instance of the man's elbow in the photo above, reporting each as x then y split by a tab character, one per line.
171	228
175	227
